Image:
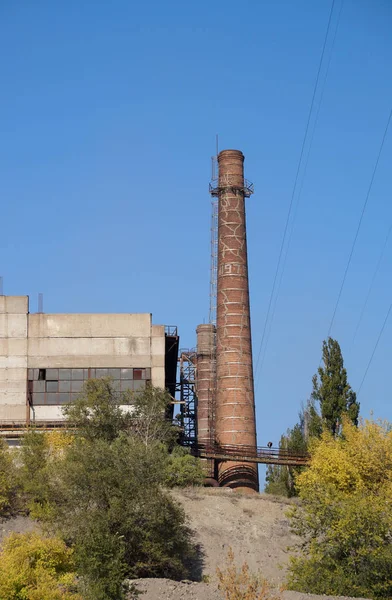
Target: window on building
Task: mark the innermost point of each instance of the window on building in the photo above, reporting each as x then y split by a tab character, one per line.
60	386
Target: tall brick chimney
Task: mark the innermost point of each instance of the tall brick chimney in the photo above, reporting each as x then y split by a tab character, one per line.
234	405
205	389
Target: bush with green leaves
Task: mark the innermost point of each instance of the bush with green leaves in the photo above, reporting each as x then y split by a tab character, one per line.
182	469
33	474
102	489
107	497
8	482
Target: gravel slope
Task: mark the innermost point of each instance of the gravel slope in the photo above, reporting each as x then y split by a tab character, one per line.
254	526
164	589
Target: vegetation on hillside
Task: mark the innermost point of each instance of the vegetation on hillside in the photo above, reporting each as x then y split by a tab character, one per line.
332	400
8	482
345	515
33	567
101	489
100	493
241	584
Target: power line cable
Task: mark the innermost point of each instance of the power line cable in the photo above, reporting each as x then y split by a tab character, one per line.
359	224
301	186
375	348
376	270
294	188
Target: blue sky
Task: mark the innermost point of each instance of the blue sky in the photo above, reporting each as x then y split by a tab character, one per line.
108	116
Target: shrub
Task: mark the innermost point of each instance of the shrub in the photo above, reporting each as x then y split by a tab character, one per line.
33	474
33	567
241	584
345	517
109	504
8	481
182	469
102	490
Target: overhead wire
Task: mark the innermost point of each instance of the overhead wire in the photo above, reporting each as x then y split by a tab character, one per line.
302	184
375	348
359	223
375	273
294	188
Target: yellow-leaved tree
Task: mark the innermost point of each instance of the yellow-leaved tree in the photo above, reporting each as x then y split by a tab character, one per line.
345	515
33	567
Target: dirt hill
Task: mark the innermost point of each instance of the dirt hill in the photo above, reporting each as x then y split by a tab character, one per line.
254	526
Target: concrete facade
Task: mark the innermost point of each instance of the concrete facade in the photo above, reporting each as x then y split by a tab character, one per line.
40	342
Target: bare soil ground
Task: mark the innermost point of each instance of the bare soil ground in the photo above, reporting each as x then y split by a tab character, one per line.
164	589
254	526
18	524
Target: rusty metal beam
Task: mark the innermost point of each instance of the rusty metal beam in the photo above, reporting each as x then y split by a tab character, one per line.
249	454
266	460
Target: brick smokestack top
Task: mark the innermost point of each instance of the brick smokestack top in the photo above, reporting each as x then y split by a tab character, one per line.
235	408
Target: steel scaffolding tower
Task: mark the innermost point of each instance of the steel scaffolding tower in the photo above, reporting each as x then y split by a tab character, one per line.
188	398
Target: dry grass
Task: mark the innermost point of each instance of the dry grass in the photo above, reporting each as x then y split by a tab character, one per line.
240	584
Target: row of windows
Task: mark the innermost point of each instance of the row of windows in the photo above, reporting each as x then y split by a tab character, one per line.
77	386
60	386
82	374
39	399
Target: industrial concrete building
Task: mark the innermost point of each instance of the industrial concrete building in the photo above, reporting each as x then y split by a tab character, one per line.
45	358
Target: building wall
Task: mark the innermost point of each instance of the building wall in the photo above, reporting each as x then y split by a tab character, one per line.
74	341
13	357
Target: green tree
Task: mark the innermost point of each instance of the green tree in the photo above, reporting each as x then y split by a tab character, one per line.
97	413
108	497
280	479
8	482
148	419
101	488
345	516
182	469
332	391
334	398
33	473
